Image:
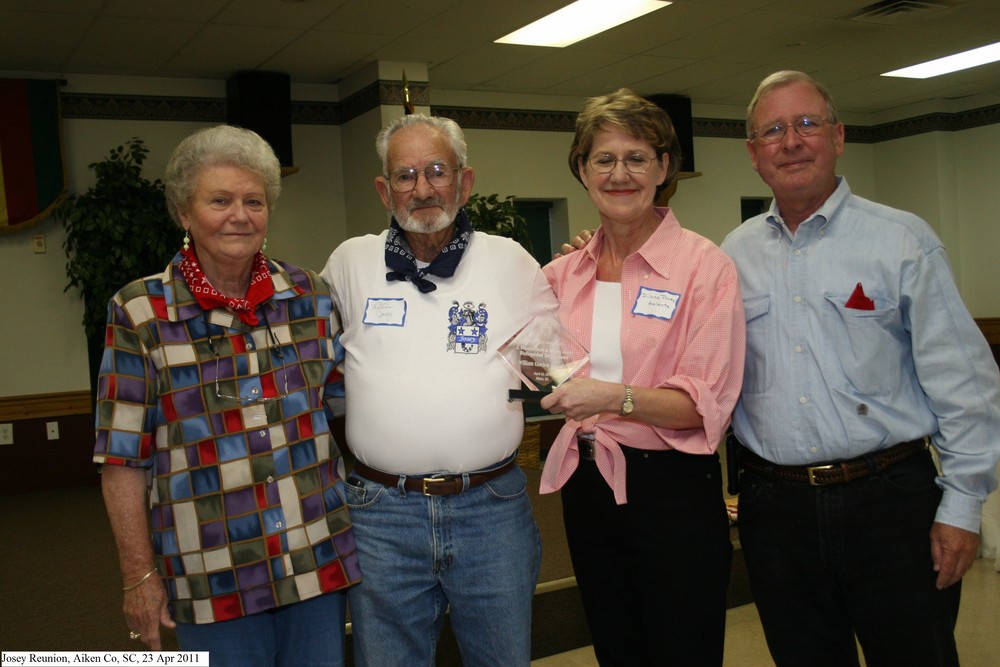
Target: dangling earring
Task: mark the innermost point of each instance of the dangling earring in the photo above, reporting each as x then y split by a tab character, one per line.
187	241
264	247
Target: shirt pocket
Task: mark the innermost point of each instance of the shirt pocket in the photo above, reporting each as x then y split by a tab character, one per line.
866	349
759	374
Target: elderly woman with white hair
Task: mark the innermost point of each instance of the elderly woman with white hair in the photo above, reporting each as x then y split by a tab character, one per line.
219	469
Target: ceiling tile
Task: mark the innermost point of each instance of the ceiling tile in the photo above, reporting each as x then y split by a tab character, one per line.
223	50
715	51
34	40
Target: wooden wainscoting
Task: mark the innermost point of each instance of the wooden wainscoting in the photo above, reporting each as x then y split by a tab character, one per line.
34	462
990	326
14	408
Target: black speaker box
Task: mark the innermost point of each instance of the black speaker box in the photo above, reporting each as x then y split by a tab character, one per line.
262	102
678	107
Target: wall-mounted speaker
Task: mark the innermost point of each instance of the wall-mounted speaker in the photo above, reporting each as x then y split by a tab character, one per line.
678	107
262	102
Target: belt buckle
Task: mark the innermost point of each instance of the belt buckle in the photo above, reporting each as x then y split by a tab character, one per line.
812	470
431	480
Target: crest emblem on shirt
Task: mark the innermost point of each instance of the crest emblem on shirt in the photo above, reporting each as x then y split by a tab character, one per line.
467	328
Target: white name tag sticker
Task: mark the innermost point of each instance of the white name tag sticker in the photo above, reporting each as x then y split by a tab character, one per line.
385	312
660	304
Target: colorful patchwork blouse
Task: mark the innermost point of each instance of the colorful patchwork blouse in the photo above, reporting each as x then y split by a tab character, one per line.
248	509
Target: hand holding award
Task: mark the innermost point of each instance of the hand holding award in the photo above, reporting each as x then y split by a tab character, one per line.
543	355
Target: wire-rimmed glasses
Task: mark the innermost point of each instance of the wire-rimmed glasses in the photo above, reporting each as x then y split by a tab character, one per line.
605	163
254	398
804	126
438	175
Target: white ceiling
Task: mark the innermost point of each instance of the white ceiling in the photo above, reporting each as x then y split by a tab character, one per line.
714	51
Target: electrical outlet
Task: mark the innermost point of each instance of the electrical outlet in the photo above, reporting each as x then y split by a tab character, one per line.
6	434
52	430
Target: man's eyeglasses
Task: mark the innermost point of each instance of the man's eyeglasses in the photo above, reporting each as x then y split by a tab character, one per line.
805	126
604	163
437	175
254	397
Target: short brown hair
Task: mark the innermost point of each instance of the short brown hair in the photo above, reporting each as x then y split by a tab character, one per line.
633	114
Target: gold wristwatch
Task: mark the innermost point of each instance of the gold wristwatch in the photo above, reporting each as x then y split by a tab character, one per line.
628	404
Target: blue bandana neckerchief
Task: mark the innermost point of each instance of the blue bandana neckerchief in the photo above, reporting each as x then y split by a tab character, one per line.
399	258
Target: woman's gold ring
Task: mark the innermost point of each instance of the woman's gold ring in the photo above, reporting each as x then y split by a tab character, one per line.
132	634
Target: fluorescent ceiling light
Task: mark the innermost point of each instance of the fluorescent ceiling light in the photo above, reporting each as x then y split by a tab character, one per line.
580	20
948	64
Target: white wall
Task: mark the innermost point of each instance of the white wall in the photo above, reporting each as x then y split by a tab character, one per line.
311	218
531	165
977	170
948	178
951	180
977	174
42	346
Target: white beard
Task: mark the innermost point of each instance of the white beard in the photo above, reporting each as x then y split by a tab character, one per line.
436	223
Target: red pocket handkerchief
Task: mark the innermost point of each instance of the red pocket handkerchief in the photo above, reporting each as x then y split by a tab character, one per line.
859	301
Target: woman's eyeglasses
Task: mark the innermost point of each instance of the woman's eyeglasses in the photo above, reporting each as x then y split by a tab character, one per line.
605	163
254	397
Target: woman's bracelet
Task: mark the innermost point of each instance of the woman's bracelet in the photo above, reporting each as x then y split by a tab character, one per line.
141	581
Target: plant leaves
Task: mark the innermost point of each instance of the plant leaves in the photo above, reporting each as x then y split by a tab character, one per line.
116	231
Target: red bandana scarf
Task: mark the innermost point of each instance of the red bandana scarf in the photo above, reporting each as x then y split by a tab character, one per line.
261	288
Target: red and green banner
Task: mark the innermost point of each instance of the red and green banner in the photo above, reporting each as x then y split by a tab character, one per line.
32	176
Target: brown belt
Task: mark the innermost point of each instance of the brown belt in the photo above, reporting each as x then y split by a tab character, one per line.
435	485
837	472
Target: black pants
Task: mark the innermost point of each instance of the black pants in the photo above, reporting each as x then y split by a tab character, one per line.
653	572
826	563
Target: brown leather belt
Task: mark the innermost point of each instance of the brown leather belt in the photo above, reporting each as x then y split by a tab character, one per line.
435	485
837	472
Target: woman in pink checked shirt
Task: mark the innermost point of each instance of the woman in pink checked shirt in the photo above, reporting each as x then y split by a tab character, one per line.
659	308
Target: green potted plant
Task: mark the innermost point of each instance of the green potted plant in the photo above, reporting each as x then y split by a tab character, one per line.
116	231
490	214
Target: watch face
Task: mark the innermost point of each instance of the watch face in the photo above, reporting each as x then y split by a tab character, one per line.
628	404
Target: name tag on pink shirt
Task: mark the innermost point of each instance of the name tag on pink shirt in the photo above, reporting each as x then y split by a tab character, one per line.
660	304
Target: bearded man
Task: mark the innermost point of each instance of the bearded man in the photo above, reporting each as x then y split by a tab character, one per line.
440	508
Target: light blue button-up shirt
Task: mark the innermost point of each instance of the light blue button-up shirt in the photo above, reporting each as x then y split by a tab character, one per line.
827	382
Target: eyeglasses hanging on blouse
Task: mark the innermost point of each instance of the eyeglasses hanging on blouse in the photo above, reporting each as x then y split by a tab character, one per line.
255	397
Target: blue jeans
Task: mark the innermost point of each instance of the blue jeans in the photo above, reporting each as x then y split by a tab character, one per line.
477	553
303	634
830	562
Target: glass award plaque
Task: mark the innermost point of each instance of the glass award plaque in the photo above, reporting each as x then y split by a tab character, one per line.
543	355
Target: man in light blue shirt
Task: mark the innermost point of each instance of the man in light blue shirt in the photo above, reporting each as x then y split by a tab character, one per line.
858	348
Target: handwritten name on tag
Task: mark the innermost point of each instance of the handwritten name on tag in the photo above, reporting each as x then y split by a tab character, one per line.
385	312
656	303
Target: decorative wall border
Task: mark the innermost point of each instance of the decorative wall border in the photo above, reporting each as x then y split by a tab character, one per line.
508	119
143	107
213	110
718	128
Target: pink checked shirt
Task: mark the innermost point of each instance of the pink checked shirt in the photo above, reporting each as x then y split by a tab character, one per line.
697	345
